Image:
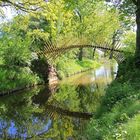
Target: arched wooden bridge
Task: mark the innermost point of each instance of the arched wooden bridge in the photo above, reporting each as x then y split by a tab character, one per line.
52	51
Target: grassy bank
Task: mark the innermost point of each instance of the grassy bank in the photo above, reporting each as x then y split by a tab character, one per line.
68	67
13	78
118	116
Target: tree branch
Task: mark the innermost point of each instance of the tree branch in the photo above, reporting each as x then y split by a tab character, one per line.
135	2
20	6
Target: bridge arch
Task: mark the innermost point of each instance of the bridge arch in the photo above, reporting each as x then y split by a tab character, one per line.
51	52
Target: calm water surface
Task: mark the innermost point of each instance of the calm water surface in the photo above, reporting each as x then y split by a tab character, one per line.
58	112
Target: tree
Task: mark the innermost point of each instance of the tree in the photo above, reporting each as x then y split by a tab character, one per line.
24	5
129	42
137	3
131	8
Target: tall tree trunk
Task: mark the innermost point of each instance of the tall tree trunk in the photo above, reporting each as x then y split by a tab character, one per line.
137	53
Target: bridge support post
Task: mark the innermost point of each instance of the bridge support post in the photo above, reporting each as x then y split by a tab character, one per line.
52	75
113	44
105	53
94	52
80	57
111	53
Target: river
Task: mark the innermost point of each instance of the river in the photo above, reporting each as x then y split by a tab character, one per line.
58	112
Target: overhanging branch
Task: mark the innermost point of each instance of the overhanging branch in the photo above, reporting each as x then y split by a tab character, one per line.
135	2
21	6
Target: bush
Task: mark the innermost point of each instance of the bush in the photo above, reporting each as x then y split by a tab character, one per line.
115	118
16	78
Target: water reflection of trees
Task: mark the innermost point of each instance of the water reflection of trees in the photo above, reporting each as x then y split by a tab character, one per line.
74	98
19	116
57	112
23	116
80	98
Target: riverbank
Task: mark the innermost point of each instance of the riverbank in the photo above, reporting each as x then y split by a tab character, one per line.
69	67
118	115
13	80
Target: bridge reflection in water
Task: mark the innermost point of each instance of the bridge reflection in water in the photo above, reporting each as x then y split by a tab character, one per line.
55	113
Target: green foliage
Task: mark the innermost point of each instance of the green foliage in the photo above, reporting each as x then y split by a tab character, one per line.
67	66
115	93
118	107
54	20
16	78
132	128
79	21
129	42
19	54
16	57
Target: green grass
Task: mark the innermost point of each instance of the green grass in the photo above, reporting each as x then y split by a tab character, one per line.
132	128
67	67
118	114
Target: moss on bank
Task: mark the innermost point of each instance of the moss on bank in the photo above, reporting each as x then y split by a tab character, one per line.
68	67
118	115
